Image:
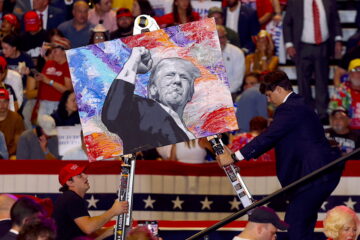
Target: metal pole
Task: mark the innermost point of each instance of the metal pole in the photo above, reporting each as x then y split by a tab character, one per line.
266	199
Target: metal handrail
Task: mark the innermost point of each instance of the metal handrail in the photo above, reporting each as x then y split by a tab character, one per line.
266	199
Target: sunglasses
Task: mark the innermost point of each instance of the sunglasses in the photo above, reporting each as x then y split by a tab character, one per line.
357	69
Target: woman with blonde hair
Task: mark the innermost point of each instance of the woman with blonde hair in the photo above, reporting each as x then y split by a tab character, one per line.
263	59
341	223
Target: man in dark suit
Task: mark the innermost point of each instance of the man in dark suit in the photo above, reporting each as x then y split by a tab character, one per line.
23	209
6	202
301	147
243	20
144	123
312	33
50	16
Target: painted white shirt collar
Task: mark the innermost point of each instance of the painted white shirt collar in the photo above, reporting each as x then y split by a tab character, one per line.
178	121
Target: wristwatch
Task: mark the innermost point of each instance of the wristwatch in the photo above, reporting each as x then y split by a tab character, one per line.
51	82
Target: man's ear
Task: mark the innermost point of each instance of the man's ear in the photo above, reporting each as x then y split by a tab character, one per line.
69	182
153	92
277	89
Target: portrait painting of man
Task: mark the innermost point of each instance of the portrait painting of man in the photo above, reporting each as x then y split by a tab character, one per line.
151	90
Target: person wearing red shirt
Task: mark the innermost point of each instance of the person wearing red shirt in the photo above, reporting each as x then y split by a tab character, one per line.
182	13
54	78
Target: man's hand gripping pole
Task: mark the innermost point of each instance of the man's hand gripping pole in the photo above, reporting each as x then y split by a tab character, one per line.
232	171
125	193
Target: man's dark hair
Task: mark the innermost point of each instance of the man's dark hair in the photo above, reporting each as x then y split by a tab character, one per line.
24	208
274	79
38	227
64	188
13	40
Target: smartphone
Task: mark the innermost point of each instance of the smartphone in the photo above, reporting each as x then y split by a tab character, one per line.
34	71
39	131
153	226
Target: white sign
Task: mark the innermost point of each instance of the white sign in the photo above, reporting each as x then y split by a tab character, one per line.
203	7
277	36
161	7
69	138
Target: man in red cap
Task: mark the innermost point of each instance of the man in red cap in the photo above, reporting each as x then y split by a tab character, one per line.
34	35
125	23
70	211
11	123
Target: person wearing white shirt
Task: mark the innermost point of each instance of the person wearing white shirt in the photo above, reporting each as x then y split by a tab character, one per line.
234	60
243	20
312	34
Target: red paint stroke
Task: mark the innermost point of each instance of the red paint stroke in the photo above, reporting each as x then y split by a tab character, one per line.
150	40
220	120
100	144
200	31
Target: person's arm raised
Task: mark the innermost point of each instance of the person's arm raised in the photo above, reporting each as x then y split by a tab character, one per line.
139	62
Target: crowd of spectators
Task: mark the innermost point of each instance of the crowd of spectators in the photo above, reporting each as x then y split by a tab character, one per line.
34	70
36	92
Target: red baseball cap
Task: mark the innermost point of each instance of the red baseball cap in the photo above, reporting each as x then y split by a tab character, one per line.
4	94
70	170
12	19
3	64
32	21
123	12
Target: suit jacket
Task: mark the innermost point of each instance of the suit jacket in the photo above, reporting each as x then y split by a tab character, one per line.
55	17
9	236
294	22
138	121
299	140
248	25
5	226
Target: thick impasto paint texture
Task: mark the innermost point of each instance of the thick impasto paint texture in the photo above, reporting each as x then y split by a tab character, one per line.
93	68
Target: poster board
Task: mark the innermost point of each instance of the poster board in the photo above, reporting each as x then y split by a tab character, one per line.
94	69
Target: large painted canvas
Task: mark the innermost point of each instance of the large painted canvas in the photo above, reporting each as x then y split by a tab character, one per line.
152	89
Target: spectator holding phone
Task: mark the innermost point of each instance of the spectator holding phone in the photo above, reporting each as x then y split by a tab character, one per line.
40	142
54	78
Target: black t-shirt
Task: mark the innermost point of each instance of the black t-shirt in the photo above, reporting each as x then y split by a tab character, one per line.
13	63
31	42
347	142
68	207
